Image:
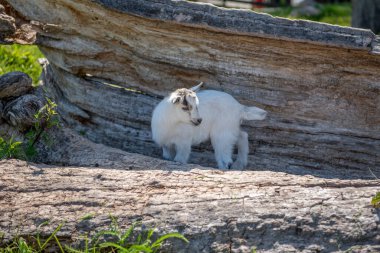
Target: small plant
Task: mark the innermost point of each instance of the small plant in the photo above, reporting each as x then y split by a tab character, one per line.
11	149
116	240
375	202
46	118
111	240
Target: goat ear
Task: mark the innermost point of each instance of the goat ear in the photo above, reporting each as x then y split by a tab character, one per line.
176	100
197	88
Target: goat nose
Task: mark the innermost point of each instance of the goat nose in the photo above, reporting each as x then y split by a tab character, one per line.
199	121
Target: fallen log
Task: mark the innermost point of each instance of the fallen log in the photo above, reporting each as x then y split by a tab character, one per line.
112	61
218	211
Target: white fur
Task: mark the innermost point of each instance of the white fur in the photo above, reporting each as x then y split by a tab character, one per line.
173	129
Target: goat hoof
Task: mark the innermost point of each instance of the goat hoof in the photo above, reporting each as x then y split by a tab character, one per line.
225	165
237	165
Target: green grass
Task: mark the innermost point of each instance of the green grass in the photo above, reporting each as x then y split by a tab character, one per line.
21	58
113	239
336	14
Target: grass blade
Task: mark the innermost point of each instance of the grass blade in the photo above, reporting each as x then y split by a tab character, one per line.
59	244
95	239
72	250
160	240
127	233
51	237
113	245
141	248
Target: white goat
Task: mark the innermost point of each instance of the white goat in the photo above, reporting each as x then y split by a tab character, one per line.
187	118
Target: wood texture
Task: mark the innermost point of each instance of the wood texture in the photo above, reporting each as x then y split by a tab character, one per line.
14	84
21	111
18	102
110	64
13	27
319	82
218	211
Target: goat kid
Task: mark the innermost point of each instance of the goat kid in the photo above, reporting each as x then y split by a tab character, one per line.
188	117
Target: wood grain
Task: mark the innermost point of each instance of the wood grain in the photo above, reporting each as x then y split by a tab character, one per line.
321	89
218	211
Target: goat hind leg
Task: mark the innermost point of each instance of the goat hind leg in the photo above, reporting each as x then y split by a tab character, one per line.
223	145
243	150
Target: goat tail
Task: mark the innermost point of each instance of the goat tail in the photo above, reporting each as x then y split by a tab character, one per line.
252	113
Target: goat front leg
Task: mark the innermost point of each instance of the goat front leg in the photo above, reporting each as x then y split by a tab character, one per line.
168	152
183	150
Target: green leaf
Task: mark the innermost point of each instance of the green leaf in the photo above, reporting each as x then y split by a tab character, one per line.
150	233
375	202
127	233
140	248
113	245
160	240
95	238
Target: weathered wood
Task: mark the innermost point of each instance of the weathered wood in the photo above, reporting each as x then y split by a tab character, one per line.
318	82
15	84
6	24
218	211
112	61
13	27
21	111
71	149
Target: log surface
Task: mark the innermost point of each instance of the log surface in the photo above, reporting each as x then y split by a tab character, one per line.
218	211
112	61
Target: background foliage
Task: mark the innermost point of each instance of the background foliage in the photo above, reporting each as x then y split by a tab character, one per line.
21	58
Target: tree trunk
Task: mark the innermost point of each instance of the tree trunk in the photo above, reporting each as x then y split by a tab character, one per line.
366	14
